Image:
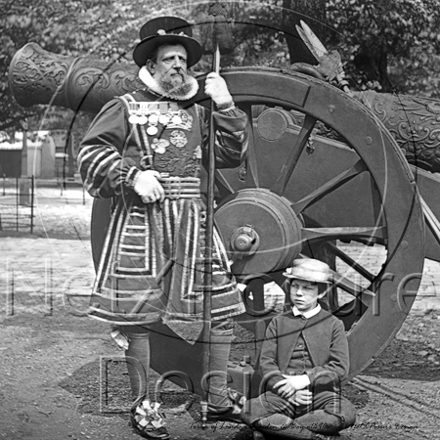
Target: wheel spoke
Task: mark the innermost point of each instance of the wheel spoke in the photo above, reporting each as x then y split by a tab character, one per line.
252	156
350	262
369	233
358	168
223	184
251	163
301	142
252	180
365	295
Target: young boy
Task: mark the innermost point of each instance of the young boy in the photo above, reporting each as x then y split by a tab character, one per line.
304	358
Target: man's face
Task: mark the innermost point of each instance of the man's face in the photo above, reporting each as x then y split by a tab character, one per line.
304	295
170	67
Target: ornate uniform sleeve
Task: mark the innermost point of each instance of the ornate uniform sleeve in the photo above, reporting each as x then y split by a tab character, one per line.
336	368
232	136
105	163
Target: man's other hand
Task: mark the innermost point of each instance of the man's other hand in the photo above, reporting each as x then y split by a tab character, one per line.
148	187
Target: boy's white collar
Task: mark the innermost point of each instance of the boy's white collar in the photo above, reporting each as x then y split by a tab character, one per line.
152	84
307	314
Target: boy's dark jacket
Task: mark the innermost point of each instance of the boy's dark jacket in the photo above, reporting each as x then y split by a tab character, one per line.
325	339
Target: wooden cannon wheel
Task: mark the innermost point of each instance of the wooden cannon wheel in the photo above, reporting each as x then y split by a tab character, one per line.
353	202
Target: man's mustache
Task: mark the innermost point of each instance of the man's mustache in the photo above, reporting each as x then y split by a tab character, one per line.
180	73
179	89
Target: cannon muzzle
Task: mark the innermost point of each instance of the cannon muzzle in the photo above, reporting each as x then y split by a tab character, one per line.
40	77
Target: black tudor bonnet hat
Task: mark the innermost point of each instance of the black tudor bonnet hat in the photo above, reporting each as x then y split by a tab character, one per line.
166	30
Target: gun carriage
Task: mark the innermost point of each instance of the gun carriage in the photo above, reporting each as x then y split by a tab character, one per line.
327	175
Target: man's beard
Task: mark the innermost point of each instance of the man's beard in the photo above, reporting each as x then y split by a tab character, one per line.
176	88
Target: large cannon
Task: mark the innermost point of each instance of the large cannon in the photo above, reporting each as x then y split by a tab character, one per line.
327	175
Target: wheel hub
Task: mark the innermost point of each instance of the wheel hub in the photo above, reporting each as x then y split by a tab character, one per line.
261	231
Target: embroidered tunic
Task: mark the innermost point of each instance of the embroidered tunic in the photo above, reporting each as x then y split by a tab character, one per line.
152	262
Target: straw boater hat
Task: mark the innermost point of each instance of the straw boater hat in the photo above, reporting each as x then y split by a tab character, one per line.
166	30
308	269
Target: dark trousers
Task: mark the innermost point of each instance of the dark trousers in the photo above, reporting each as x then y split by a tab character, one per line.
329	413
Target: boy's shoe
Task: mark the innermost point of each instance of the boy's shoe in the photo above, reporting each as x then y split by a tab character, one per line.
229	413
274	422
280	426
236	397
146	420
224	414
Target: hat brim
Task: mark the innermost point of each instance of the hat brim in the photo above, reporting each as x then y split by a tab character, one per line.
309	277
147	46
287	275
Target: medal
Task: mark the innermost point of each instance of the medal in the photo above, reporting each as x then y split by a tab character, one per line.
178	138
153	119
133	119
152	130
159	146
164	119
142	119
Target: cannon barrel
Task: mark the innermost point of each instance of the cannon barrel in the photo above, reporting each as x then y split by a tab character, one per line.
40	77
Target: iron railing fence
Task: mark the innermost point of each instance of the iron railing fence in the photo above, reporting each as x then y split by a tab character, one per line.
19	196
17	203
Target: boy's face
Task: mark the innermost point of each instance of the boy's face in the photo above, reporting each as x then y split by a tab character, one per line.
304	294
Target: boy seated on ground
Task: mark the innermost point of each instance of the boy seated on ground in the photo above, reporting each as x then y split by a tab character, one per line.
303	359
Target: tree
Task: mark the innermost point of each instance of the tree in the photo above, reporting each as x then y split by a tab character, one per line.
388	44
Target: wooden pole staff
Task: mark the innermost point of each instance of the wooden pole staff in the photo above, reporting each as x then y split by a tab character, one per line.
217	18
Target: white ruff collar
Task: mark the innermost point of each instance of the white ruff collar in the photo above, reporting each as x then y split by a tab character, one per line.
151	83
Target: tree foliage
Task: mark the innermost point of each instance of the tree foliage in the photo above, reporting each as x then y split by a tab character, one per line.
385	44
388	44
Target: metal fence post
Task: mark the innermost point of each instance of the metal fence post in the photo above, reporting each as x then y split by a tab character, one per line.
48	286
32	202
17	200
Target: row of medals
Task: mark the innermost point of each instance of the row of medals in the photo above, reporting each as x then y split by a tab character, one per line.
153	119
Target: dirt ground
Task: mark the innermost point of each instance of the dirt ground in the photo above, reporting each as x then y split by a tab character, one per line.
52	385
61	376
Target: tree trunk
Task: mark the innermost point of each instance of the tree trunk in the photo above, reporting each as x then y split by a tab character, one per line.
383	72
313	13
